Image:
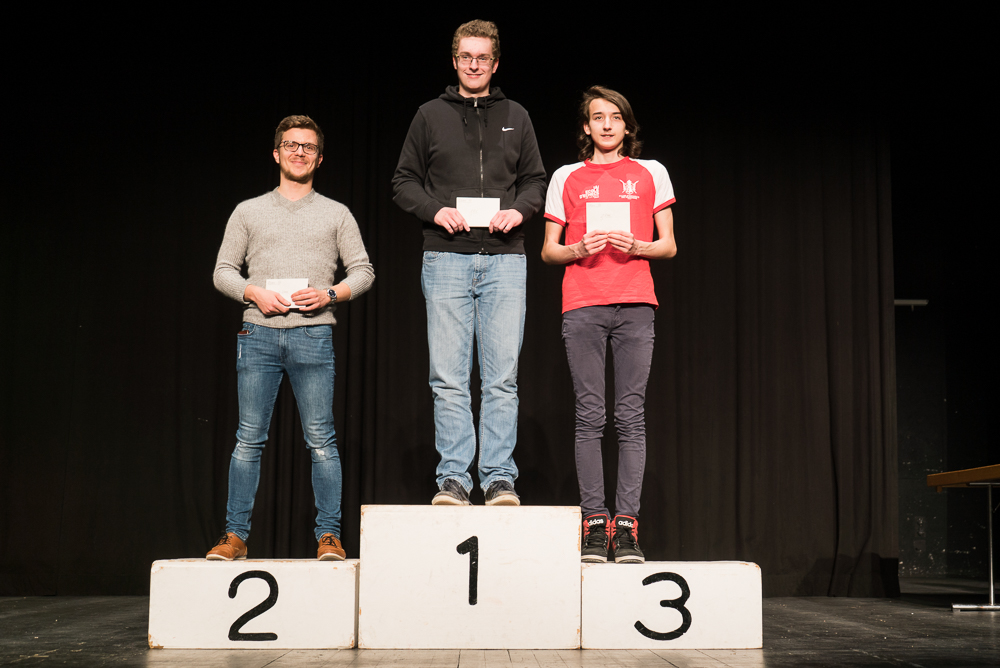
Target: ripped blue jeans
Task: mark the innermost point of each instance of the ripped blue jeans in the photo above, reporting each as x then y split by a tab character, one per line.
264	356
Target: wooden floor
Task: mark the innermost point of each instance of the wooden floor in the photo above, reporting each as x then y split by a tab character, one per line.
919	629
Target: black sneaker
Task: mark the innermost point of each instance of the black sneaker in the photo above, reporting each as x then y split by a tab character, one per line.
596	534
452	494
626	541
501	493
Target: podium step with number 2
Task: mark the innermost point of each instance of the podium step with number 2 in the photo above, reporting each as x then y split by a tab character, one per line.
252	604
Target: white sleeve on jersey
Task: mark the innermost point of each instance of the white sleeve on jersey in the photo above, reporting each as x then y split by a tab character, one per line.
555	208
661	181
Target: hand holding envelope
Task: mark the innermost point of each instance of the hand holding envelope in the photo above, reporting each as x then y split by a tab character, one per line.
286	287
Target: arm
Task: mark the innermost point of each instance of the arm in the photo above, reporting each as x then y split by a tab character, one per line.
530	181
411	170
529	185
408	182
227	277
232	255
554	252
360	275
663	247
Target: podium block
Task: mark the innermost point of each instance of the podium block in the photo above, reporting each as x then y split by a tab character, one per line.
435	577
672	605
253	604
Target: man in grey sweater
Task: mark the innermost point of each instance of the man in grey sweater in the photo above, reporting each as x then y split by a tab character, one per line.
289	233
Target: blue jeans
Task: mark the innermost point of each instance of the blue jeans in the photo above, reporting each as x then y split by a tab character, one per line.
264	355
586	332
481	296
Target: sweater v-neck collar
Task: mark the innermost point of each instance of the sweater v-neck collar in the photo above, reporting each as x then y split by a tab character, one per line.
292	206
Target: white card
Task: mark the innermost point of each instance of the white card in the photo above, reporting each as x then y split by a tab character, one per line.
478	211
607	216
286	286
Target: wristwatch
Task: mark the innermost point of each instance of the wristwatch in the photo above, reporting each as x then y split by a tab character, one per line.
332	294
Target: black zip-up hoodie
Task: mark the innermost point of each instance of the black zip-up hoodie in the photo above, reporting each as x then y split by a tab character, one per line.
470	147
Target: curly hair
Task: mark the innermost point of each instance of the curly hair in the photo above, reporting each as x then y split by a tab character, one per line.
477	28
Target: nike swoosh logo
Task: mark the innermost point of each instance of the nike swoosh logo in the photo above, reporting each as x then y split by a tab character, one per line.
506	129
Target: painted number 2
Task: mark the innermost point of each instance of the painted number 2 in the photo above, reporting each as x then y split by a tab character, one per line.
675	603
259	609
470	546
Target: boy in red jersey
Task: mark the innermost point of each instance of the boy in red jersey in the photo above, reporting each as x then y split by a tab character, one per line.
608	206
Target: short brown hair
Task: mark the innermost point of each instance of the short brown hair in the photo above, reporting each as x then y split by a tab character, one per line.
298	121
631	146
477	28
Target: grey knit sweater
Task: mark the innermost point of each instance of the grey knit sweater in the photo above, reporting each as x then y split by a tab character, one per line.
278	238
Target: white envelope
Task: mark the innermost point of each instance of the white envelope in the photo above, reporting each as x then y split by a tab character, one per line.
607	216
286	286
478	211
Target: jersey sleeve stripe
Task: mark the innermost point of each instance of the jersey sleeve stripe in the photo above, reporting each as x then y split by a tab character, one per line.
663	206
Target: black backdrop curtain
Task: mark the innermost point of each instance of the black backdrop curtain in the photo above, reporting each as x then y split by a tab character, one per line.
770	410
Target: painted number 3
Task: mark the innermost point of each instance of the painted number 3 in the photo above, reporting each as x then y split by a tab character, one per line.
675	603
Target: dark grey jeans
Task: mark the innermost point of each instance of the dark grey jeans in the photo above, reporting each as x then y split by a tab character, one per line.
586	332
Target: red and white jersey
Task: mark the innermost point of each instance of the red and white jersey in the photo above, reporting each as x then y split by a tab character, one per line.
609	277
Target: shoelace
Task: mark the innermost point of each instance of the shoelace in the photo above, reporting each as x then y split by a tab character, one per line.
596	536
327	540
500	486
625	538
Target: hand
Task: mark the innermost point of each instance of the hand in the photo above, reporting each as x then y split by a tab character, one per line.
592	243
506	220
451	220
310	299
268	301
624	241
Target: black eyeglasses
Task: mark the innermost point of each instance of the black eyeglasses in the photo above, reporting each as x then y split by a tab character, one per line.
293	146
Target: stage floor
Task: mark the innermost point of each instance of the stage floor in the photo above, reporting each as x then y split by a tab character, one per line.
917	629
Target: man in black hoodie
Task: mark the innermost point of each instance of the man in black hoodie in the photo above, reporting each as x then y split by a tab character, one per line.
470	171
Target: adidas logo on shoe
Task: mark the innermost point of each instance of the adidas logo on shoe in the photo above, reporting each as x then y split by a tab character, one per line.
595	539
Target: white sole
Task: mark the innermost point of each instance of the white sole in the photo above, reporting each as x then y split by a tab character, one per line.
630	560
504	500
446	500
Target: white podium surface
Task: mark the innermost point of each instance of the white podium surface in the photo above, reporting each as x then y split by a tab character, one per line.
471	577
253	604
672	605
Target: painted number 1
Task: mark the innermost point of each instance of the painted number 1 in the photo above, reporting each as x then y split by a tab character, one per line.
470	546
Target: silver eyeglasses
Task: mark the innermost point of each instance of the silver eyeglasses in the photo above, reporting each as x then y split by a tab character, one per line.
465	59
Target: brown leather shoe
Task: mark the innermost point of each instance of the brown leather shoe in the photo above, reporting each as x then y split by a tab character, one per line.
330	548
228	547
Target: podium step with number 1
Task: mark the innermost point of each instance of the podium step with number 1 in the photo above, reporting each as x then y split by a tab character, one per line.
435	577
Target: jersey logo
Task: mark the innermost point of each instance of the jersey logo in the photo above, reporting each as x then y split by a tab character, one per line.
591	193
628	189
506	129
